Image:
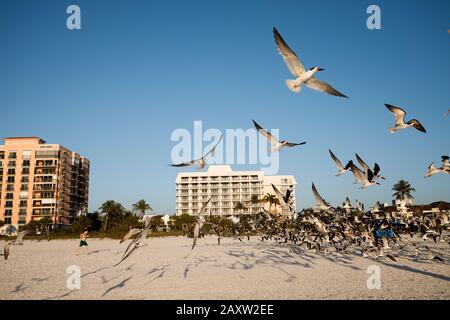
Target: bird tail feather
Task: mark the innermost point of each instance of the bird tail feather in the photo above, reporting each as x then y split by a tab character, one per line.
291	84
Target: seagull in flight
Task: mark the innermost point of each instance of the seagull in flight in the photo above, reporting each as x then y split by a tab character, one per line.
302	76
400	123
432	170
277	145
339	165
447	113
202	161
19	239
200	223
6	249
376	168
320	203
285	199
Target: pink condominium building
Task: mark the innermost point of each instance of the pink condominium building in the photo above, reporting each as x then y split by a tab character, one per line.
41	180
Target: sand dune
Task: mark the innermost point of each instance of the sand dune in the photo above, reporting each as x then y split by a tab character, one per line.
168	269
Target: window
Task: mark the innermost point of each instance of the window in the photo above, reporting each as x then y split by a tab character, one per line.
23	203
11	163
10	187
11	179
25	179
12	155
11	171
47	154
8	204
26	171
25	163
7	220
9	196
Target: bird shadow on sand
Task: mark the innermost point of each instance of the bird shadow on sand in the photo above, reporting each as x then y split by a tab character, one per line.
414	270
120	285
98	251
19	288
93	272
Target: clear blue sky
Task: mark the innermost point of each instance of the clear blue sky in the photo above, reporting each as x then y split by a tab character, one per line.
115	90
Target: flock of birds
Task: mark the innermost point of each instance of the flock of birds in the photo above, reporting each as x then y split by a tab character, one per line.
325	228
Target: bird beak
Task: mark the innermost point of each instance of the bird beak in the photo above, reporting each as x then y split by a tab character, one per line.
320	69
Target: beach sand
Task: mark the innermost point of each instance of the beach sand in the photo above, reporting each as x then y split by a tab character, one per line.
167	268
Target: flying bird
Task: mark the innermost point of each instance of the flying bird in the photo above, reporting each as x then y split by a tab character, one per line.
285	199
432	170
138	241
302	77
341	169
446	113
277	145
357	173
6	249
19	239
320	203
200	223
399	115
376	168
201	161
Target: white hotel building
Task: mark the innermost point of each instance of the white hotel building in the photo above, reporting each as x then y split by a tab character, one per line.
227	188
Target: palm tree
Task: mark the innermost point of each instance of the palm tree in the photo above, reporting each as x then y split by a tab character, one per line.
239	206
111	208
141	206
403	189
271	199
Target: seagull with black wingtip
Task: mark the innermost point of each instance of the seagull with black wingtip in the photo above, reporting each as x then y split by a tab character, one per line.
277	145
399	115
376	168
341	169
201	161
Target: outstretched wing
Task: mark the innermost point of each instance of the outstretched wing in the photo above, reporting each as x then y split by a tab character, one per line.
336	160
321	86
279	195
399	114
289	56
362	163
130	234
266	133
21	235
213	148
319	199
204	206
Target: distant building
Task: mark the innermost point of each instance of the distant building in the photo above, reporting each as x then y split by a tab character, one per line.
165	218
227	188
41	180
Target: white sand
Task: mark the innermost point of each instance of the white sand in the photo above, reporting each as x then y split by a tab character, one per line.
167	269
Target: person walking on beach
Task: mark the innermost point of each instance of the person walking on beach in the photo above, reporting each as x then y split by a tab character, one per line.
83	242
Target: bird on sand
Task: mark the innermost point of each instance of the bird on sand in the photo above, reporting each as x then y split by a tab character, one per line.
277	145
399	115
302	76
201	161
341	169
